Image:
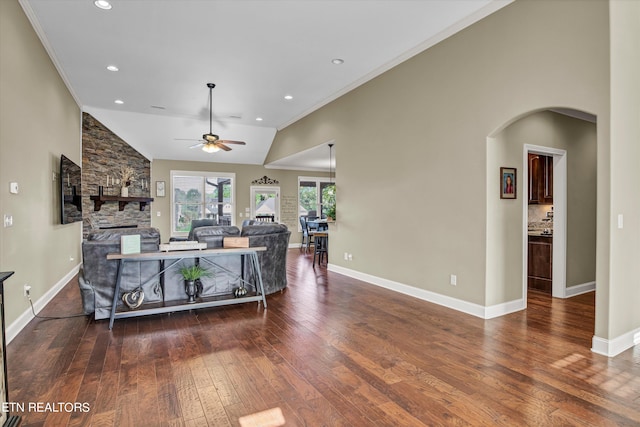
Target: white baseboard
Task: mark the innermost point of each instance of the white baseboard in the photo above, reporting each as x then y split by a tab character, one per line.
504	308
611	348
579	289
443	300
15	327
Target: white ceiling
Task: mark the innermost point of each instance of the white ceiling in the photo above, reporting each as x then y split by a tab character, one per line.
255	51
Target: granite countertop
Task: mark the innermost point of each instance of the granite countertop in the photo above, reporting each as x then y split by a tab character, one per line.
540	233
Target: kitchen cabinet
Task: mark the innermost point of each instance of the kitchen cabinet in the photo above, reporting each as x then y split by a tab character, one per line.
540	179
540	263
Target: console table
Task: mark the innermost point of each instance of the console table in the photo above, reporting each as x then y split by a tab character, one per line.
175	257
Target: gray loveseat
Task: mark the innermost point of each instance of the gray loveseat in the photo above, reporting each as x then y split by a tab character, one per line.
98	276
273	261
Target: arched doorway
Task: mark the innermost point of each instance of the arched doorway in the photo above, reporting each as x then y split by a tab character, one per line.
571	141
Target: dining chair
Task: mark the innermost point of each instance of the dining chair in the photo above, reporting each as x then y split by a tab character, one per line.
307	235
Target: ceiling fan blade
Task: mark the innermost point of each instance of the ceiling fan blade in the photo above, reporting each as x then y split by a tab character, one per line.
222	146
196	145
226	141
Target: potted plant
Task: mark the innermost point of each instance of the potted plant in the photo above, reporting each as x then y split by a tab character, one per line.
190	275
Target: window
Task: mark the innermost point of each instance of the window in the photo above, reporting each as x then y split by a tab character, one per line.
316	197
201	195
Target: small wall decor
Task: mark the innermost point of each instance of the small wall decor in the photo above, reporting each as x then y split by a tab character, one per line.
265	180
159	188
508	177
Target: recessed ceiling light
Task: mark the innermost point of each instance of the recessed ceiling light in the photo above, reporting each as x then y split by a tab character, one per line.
337	61
102	4
119	101
112	68
288	97
258	119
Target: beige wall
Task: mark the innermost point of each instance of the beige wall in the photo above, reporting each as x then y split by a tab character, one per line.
621	301
505	217
245	174
36	111
415	137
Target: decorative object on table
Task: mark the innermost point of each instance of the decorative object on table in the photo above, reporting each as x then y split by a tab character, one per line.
159	188
240	292
127	176
508	182
191	275
130	244
133	299
235	242
187	245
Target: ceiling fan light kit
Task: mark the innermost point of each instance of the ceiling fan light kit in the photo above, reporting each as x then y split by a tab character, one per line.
211	142
210	148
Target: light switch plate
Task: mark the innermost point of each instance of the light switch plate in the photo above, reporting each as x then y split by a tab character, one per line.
13	187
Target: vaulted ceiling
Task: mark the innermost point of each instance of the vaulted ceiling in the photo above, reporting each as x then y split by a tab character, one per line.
255	51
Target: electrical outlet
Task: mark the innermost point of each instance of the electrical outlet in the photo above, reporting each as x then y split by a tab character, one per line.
454	280
27	290
346	256
350	257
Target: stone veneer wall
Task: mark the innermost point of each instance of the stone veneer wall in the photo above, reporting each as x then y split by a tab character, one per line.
104	154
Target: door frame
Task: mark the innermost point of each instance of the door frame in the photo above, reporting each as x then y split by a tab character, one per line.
256	189
559	257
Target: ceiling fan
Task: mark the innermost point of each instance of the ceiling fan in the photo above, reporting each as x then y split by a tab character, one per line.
210	141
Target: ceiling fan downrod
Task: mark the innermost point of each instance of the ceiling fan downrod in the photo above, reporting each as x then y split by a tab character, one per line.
211	86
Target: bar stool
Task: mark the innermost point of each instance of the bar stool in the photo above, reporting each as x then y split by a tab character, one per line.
321	247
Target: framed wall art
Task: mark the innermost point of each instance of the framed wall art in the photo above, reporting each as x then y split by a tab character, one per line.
159	188
508	177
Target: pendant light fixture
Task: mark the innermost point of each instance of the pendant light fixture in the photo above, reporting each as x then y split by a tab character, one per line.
331	162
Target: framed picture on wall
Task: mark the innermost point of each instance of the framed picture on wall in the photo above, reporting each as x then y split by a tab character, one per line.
508	181
159	188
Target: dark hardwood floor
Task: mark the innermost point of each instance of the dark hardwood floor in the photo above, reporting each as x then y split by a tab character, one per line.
329	351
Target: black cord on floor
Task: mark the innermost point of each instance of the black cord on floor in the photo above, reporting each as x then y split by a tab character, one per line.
52	317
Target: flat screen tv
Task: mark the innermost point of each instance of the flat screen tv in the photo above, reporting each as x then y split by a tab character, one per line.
70	191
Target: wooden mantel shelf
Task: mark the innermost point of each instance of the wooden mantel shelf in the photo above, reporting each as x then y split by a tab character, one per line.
98	201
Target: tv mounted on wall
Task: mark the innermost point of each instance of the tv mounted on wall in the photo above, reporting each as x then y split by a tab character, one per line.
70	191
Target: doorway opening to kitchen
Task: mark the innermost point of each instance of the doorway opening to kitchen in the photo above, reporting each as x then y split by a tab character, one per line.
545	209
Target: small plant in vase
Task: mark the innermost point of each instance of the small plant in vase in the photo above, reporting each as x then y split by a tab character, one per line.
127	176
191	275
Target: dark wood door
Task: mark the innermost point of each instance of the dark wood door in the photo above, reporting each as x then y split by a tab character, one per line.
547	179
540	179
535	196
540	263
